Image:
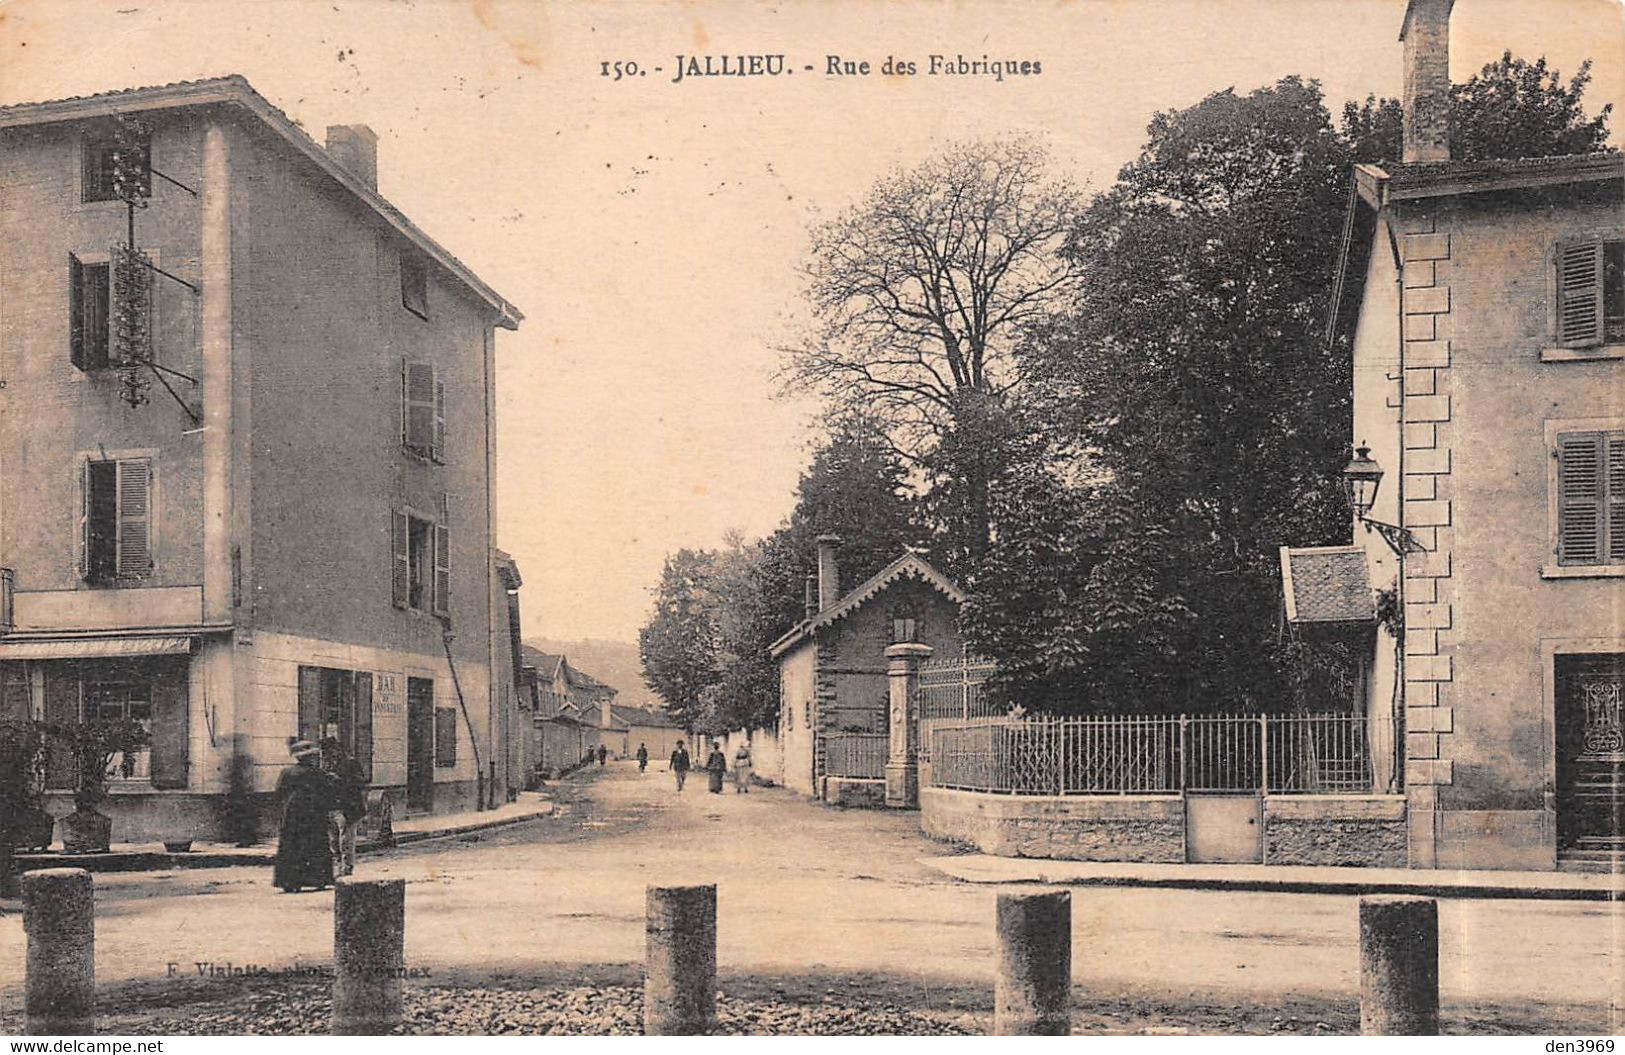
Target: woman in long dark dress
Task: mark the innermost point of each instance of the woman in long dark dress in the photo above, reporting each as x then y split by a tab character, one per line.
303	856
716	764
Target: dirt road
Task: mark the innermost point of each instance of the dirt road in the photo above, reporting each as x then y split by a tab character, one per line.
806	891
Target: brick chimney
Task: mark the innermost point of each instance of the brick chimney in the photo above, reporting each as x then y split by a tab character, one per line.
829	572
811	602
356	148
1426	101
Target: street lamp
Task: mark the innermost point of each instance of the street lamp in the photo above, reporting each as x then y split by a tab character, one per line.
1361	478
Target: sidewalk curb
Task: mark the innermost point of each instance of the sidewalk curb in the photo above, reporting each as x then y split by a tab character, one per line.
1422	886
163	861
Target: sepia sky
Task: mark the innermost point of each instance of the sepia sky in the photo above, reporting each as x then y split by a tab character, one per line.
650	230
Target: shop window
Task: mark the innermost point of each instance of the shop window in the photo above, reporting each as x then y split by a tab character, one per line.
337	705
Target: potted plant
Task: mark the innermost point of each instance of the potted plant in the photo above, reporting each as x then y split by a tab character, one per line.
95	746
24	824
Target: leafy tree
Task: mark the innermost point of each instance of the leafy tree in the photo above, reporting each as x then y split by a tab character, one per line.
921	291
1192	415
679	643
1512	108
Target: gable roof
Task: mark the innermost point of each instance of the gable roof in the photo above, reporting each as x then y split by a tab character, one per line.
546	663
1327	585
908	566
235	91
1374	187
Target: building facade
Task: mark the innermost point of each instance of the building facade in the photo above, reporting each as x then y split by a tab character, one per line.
833	666
1489	342
245	479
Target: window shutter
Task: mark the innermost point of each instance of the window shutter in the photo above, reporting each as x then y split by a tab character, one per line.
442	570
439	452
1579	295
169	732
420	407
363	722
76	313
310	703
445	736
1579	498
84	518
1614	505
134	509
61	709
401	581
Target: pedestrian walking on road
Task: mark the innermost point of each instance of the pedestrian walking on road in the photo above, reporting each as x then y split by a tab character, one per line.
679	763
716	764
350	804
304	857
643	757
742	768
603	753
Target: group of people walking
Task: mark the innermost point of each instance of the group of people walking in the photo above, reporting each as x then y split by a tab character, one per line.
323	796
716	766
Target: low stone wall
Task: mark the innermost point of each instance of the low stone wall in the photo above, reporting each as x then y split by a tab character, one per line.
1364	831
854	791
1071	828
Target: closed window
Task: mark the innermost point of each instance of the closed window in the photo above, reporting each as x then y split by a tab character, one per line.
1591	294
337	705
415	285
89	313
113	168
1591	498
422	563
115	520
445	736
423	411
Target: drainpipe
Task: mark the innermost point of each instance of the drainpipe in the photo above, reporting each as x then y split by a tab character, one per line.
462	705
1398	696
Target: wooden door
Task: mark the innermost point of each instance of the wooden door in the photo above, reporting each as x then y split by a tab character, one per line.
419	744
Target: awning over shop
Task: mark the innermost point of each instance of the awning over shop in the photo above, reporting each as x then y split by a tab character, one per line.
95	647
1327	586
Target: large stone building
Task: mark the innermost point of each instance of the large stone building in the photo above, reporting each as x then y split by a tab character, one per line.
1487	301
246	455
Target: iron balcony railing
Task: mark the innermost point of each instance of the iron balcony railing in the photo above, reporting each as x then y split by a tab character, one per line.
1282	754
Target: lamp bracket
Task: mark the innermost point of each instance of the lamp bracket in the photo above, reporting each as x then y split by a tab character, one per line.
1399	539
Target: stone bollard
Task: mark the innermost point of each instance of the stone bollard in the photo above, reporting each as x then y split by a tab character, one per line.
1032	995
1399	966
59	914
369	925
680	965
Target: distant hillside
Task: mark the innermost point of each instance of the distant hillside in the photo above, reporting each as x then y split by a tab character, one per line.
615	663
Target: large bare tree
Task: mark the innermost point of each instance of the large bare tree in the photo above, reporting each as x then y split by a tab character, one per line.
921	291
921	288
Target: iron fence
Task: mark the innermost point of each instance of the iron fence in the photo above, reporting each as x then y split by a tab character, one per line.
954	688
1146	754
856	755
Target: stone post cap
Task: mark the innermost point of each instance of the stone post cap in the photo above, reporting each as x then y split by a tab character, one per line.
48	874
909	650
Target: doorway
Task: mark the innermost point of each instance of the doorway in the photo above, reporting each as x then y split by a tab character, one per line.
419	745
1590	752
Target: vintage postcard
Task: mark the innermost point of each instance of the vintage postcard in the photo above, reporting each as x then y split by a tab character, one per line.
827	517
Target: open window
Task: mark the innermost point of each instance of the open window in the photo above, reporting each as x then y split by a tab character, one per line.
115	522
1591	294
414	284
112	166
422	563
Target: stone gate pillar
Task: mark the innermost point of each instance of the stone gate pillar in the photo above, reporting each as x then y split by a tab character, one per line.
902	762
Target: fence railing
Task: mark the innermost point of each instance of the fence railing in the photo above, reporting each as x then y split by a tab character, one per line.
1286	754
858	755
953	688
